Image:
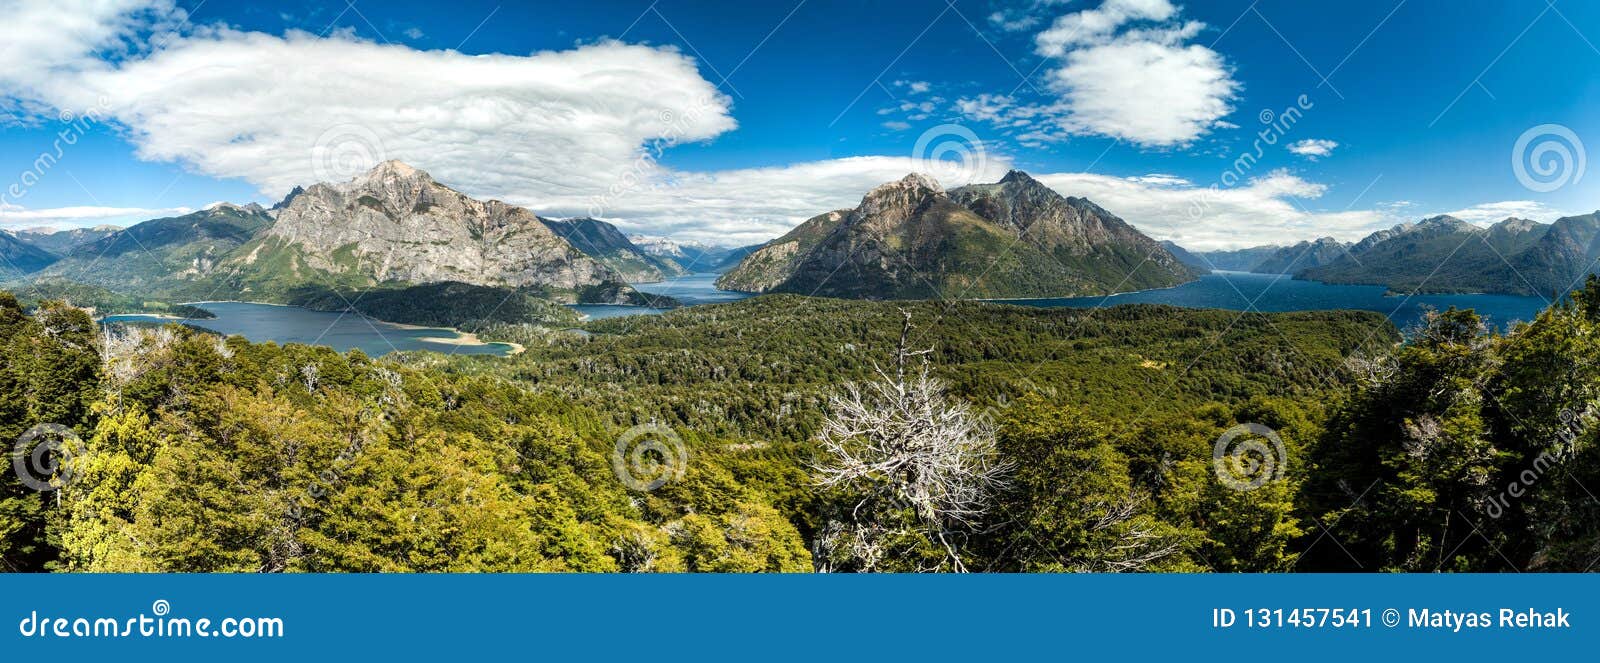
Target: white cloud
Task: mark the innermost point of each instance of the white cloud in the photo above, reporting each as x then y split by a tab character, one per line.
1012	22
916	87
559	131
1125	70
564	133
71	217
1023	16
1146	92
1160	179
1487	213
1097	26
1313	148
993	108
896	125
1265	210
284	111
41	40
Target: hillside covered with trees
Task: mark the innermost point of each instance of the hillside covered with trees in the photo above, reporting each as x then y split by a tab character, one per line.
794	434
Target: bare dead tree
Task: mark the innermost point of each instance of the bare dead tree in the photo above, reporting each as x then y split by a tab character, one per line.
1135	545
897	443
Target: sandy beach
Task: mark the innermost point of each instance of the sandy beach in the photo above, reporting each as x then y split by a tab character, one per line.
461	338
469	339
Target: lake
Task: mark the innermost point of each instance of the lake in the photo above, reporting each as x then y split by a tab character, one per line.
691	290
1224	290
342	332
1276	293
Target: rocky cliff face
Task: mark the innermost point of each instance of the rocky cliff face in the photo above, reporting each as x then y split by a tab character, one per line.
396	224
769	266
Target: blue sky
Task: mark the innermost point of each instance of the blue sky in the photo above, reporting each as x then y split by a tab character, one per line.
753	116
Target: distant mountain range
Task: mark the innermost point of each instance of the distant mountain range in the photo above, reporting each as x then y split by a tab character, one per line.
396	229
1446	254
19	257
605	243
161	255
911	239
60	242
1441	254
692	257
1302	256
393	228
1235	260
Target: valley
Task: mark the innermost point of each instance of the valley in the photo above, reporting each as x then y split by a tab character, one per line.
418	325
394	245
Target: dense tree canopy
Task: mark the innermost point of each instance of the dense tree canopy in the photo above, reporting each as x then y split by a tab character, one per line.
1458	449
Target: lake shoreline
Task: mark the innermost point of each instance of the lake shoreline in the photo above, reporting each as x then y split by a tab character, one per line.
462	338
458	338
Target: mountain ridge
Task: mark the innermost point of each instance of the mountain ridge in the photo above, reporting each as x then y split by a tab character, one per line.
604	242
911	239
1445	254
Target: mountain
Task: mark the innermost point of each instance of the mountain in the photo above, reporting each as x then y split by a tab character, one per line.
602	241
1184	256
1557	260
1238	260
1446	254
1515	235
767	267
172	254
910	239
293	193
19	257
1301	256
396	225
62	242
691	256
1094	245
732	257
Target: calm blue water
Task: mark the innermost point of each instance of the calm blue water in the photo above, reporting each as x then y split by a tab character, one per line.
1274	293
691	290
1224	290
292	324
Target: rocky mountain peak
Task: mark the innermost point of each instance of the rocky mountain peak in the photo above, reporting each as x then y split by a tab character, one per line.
903	195
249	208
395	223
1018	177
293	193
391	181
1515	225
396	168
1444	222
910	182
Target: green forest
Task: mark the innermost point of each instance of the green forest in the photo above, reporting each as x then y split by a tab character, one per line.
793	434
